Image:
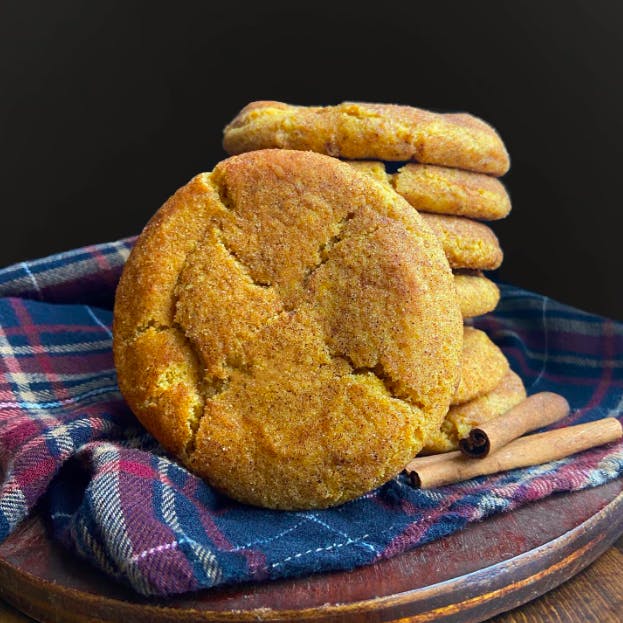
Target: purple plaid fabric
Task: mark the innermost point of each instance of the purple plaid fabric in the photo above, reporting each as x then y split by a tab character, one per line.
69	443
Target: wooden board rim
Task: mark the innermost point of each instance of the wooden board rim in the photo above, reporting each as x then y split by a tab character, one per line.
565	555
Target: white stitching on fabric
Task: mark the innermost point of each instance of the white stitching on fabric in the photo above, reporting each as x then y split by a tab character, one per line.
154	550
237	548
32	278
312	518
98	321
319	549
195	545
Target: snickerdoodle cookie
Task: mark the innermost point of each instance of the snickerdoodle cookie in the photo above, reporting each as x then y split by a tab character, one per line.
443	190
288	329
483	366
370	131
466	243
430	188
462	418
477	295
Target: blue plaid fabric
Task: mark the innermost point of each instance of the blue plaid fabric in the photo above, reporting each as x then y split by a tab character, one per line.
69	443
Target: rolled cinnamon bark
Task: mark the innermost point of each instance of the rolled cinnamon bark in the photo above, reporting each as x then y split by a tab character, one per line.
534	412
524	452
435	458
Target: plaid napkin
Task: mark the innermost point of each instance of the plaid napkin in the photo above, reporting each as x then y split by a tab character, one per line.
110	494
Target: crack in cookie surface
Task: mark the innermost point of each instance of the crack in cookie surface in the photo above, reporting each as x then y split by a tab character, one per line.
337	233
324	249
379	373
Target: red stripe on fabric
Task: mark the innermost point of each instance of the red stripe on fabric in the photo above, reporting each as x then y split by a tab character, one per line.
256	560
137	468
97	253
11	363
34	471
31	332
155	545
17	433
68	363
212	530
58	328
100	258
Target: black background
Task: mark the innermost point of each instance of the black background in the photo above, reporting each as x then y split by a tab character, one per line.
107	107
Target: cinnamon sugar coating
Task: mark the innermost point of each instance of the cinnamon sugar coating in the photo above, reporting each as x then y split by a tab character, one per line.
444	190
370	131
483	366
288	329
477	295
466	243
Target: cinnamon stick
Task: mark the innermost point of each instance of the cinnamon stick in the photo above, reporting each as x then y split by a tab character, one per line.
437	458
534	412
523	452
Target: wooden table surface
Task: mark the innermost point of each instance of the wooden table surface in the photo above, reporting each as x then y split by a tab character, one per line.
593	596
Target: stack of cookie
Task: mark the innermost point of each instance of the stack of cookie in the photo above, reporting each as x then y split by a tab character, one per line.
448	169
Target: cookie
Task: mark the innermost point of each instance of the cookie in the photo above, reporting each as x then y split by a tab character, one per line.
288	329
370	131
477	295
466	243
443	190
462	418
483	366
374	169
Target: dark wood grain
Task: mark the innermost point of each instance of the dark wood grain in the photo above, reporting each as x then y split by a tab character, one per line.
485	569
593	596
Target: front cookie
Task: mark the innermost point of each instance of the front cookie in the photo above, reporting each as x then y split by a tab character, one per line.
289	329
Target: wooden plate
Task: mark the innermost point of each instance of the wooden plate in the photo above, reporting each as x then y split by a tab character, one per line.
489	567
